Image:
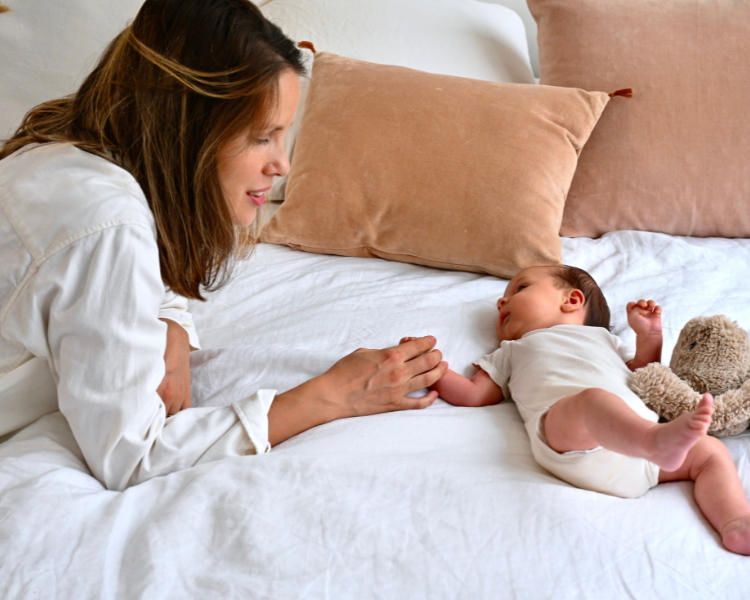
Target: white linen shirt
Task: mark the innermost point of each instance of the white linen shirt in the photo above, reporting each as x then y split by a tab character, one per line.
81	292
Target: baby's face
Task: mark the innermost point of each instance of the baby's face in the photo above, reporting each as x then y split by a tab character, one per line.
531	302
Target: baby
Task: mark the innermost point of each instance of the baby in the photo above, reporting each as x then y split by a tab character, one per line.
569	378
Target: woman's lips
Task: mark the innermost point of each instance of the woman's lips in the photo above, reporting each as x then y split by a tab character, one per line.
257	198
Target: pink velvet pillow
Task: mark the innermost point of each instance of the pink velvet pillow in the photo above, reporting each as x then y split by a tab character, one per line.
676	157
432	169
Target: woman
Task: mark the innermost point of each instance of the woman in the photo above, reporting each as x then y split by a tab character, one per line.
136	192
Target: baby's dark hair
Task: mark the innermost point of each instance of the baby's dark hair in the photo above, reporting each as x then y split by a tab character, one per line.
573	278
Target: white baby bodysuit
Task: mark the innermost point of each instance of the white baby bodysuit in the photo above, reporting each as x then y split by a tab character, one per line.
548	364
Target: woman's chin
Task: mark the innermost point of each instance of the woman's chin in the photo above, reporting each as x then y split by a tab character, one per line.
246	218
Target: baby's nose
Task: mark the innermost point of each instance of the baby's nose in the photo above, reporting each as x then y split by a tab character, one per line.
501	303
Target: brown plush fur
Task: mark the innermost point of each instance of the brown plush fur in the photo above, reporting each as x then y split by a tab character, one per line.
712	355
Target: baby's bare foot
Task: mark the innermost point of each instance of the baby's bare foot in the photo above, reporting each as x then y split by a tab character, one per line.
670	443
736	536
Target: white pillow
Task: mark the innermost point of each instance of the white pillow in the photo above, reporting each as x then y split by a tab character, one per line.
48	47
520	7
467	38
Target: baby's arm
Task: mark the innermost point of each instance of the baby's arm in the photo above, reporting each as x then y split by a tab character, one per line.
456	389
644	317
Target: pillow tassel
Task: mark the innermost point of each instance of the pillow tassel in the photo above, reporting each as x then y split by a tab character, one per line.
625	93
308	45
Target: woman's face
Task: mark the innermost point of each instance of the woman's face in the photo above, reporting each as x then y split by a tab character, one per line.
247	166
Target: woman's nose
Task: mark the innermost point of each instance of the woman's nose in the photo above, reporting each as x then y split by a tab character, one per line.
278	166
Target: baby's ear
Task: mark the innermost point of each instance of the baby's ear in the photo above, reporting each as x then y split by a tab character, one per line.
574	300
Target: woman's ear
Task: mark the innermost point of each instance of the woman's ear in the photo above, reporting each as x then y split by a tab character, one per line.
573	301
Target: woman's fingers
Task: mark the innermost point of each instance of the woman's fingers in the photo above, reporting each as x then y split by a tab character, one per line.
422	370
423	363
374	381
426	379
416	346
421	402
174	394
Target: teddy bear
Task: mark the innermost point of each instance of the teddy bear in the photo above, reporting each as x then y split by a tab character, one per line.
712	355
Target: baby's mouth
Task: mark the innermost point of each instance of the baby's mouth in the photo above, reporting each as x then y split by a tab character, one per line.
503	317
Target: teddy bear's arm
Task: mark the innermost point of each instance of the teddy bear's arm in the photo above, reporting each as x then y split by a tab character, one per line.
663	392
731	412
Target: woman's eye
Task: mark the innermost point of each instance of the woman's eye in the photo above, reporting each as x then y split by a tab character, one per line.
262	141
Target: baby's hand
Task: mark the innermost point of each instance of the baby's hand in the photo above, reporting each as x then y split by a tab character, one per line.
644	317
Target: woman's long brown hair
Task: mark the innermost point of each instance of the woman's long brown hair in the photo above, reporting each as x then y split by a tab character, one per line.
169	91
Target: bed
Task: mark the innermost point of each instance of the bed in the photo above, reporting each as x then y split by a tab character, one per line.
442	503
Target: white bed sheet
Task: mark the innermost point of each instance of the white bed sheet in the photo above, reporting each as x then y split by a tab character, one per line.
437	504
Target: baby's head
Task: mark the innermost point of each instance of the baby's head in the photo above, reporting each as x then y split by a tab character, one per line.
542	297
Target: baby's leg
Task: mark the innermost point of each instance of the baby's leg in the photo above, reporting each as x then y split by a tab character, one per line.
718	492
596	417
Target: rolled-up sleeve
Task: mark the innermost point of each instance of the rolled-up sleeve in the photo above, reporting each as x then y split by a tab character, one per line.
175	308
97	305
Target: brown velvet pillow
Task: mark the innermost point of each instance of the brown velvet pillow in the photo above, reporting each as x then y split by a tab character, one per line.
676	157
431	169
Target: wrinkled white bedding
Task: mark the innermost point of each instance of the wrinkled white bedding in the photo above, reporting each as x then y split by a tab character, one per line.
435	504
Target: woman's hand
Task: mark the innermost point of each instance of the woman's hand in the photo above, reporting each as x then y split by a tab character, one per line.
366	382
174	389
376	381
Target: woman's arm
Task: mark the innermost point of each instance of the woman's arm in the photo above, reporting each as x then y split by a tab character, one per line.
174	389
91	309
365	382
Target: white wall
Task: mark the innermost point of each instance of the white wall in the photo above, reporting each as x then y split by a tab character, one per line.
48	46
